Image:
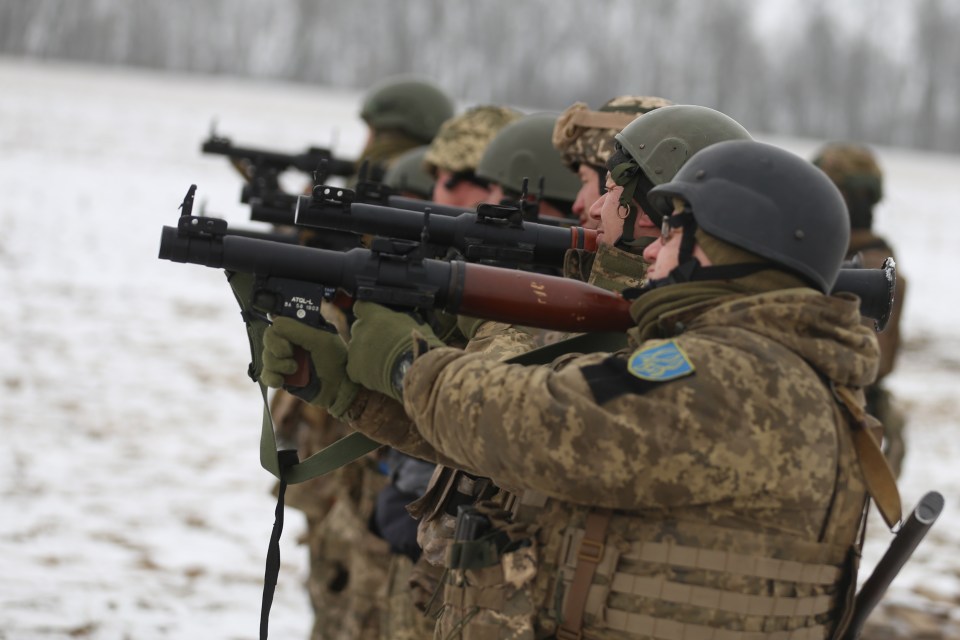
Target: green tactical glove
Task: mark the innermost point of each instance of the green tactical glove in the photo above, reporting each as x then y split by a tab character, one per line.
329	387
381	347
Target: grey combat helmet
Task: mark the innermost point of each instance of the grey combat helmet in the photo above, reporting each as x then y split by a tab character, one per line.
414	106
524	149
767	201
408	173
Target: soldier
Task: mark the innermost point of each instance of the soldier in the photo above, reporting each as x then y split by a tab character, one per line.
349	564
523	149
689	128
401	113
408	177
704	482
648	151
407	476
585	141
456	151
854	169
662	140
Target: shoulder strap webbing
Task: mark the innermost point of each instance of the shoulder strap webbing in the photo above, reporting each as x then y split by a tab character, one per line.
602	341
876	470
588	557
345	450
285	459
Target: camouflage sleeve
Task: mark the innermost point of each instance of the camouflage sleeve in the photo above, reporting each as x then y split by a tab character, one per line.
383	419
501	341
726	433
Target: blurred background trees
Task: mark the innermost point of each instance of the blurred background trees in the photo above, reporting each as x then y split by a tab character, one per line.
882	71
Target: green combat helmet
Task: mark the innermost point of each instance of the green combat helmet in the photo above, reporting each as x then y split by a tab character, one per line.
854	169
587	137
650	150
523	149
407	174
460	143
412	106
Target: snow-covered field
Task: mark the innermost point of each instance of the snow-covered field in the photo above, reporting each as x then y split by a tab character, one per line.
132	504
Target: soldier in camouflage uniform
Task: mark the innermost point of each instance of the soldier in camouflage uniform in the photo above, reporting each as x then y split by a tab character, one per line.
408	477
854	169
665	139
401	113
693	128
349	564
703	482
456	151
586	141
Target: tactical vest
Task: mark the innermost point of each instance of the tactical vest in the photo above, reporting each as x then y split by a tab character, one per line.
554	569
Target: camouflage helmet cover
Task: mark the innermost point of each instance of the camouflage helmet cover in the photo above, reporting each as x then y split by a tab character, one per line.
416	107
407	173
460	143
587	137
852	167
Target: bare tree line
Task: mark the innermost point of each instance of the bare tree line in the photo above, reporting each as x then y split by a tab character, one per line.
822	81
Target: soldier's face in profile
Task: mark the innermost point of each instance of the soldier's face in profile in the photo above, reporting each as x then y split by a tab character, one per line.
610	216
663	256
588	195
458	193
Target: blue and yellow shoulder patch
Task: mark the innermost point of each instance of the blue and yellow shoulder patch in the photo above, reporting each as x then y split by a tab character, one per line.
660	363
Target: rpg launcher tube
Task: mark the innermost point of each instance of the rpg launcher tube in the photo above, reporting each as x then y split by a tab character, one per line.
874	287
413	204
287	238
909	536
478	240
503	295
493	293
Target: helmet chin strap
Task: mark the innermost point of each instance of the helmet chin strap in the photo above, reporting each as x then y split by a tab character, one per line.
635	187
688	267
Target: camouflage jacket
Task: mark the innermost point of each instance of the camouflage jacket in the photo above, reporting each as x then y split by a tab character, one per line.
724	437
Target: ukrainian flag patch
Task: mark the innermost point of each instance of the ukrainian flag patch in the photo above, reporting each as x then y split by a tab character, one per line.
660	363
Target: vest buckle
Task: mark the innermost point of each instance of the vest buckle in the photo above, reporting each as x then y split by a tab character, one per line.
590	551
